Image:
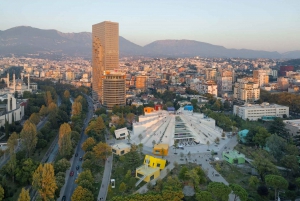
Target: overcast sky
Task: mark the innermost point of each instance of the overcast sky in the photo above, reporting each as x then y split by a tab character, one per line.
272	25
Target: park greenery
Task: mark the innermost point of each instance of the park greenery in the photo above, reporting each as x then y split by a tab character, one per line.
26	171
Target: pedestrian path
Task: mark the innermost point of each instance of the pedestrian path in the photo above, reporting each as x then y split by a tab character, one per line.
105	179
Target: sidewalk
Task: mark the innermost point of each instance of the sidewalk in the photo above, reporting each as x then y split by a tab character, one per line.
105	179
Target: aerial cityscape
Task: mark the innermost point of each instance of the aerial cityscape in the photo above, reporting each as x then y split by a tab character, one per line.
129	101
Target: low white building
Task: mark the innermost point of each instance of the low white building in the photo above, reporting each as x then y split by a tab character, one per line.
121	133
254	112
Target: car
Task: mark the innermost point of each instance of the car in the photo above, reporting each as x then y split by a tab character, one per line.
76	154
80	159
63	198
71	173
77	167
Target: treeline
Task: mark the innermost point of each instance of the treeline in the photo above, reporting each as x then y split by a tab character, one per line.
284	98
24	164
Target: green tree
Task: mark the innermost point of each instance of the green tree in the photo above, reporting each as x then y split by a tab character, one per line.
239	192
278	127
262	164
76	108
43	111
86	180
62	165
48	98
219	190
183	173
130	117
153	143
253	181
122	187
29	137
88	144
64	140
277	182
261	136
204	196
65	145
81	193
291	162
34	118
193	177
102	151
12	142
25	171
24	195
66	94
276	145
43	180
140	137
100	111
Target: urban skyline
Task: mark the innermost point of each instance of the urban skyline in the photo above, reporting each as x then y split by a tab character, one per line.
252	25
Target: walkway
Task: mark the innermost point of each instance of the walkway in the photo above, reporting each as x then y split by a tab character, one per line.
105	179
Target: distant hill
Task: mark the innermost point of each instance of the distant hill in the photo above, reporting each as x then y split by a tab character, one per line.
29	40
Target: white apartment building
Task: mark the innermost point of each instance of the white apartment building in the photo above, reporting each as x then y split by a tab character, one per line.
246	90
209	87
257	111
224	82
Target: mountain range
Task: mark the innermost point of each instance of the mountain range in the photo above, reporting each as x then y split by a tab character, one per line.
24	40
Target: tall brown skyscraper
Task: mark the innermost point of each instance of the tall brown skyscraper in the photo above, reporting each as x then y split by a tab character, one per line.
105	59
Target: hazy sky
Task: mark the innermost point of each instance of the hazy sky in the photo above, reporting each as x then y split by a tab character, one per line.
272	25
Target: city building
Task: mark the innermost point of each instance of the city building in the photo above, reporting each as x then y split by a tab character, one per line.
224	82
16	86
262	76
246	90
283	83
12	111
141	82
209	86
70	75
114	89
121	133
120	148
233	157
284	69
150	169
210	73
105	58
254	112
160	149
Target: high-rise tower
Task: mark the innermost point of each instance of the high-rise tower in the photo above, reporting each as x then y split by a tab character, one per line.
105	60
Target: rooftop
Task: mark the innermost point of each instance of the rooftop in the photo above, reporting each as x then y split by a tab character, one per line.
263	105
295	122
234	154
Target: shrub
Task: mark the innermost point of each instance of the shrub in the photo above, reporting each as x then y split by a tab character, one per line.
262	191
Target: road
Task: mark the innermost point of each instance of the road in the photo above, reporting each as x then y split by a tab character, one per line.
69	187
